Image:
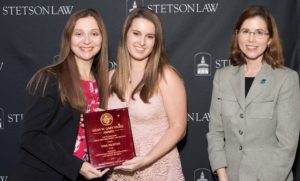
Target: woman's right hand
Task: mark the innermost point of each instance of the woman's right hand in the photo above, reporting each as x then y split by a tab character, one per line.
222	175
89	172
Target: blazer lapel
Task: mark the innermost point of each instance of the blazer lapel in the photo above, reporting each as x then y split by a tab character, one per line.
259	83
238	85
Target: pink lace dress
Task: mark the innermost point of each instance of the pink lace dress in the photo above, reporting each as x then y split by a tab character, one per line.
149	122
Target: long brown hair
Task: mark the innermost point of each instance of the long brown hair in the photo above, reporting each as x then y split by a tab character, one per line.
274	53
155	64
66	70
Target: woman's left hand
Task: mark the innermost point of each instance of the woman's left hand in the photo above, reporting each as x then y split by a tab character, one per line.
132	165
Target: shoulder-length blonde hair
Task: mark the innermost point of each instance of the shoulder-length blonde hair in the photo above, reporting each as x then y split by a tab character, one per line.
66	70
156	62
273	55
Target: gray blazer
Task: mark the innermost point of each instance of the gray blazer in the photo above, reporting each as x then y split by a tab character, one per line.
255	137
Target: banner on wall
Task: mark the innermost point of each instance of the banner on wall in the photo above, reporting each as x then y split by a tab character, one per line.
197	38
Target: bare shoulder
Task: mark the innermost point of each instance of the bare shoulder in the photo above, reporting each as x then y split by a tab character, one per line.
172	89
170	80
170	74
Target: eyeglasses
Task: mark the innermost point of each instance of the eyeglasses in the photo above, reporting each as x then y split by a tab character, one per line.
259	34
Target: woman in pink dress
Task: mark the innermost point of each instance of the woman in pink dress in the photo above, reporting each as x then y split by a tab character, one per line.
154	93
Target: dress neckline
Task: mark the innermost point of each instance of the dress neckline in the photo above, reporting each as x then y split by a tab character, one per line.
87	81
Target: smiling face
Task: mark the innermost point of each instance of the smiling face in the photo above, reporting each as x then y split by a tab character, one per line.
140	39
251	44
86	39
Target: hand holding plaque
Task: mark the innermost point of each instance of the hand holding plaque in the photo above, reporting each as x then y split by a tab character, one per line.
109	137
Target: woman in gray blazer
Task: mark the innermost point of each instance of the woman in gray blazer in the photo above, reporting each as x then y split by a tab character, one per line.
255	121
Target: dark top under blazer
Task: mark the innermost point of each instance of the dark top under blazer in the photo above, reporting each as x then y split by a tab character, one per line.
48	135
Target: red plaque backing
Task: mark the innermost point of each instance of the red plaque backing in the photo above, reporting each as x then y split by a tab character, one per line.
109	137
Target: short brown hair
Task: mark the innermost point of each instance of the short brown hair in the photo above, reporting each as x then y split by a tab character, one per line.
274	53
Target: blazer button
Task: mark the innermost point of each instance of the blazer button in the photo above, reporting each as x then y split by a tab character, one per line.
241	132
241	115
240	148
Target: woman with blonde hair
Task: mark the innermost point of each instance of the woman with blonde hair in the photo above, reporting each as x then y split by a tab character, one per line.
154	93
